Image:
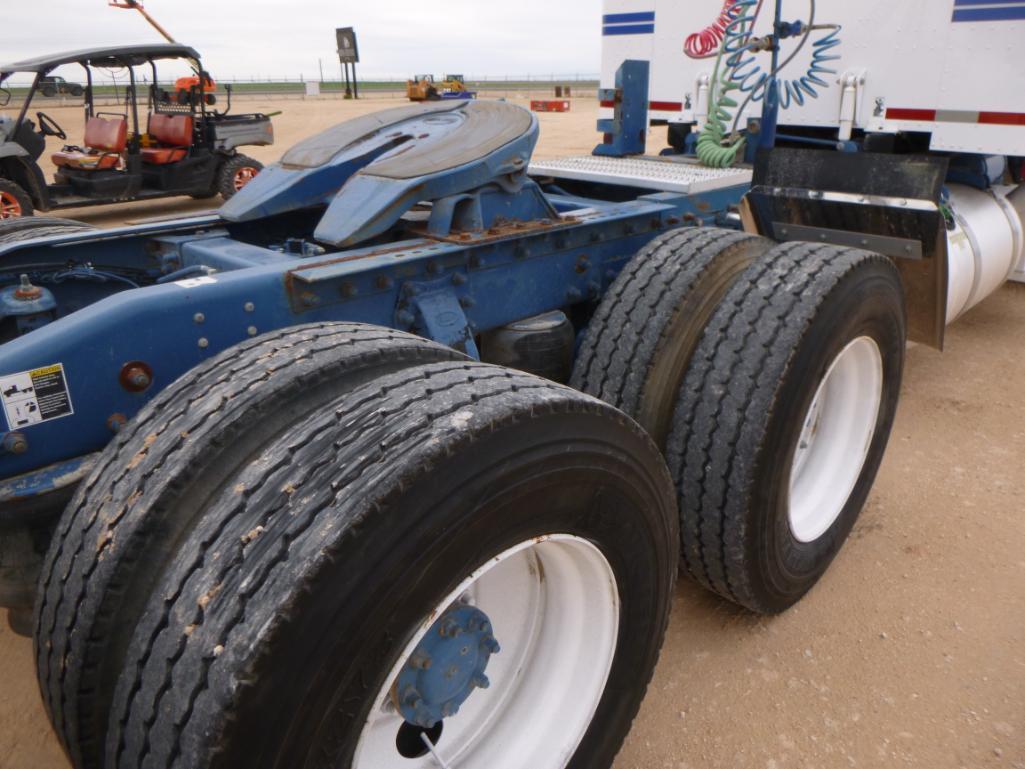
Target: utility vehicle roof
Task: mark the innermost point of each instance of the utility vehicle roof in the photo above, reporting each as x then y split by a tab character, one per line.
102	57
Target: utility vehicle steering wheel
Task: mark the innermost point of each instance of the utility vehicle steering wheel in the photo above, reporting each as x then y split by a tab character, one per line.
49	126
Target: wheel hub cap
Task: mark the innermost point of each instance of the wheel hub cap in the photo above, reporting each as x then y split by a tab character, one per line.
446	667
554	599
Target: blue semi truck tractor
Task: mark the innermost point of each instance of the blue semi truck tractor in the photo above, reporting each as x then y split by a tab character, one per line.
394	460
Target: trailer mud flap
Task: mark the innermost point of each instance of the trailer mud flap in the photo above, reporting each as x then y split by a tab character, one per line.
889	204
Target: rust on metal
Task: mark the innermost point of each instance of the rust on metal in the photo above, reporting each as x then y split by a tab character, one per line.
500	230
26	291
136	376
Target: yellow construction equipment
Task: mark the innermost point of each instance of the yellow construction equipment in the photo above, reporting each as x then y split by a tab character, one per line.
424	88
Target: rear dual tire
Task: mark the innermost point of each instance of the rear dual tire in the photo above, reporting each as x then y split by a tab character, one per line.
783	420
733	354
103	565
248	603
639	343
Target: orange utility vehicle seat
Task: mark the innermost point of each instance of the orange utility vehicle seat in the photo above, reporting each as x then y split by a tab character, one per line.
105	140
174	134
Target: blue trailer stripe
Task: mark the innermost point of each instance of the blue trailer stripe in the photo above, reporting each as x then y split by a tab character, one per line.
630	29
628	18
1008	13
962	3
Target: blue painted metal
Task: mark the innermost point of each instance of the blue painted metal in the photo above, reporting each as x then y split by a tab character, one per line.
628	18
433	309
409	156
476	258
836	144
979	171
997	10
30	306
627	132
637	23
629	29
313	172
47	479
446	667
771	102
25	299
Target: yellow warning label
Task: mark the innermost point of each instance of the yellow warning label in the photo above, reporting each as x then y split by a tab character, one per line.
32	397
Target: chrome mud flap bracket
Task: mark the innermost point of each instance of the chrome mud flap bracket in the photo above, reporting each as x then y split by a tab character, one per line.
889	204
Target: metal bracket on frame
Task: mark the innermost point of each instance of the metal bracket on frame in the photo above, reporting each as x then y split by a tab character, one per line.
436	312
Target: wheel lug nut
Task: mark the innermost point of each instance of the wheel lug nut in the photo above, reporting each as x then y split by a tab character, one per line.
481	681
423	717
420	660
450	629
411	697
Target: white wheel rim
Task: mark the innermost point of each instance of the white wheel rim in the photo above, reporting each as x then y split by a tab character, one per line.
835	439
554	605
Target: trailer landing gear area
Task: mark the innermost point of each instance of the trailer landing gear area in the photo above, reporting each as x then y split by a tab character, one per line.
394	460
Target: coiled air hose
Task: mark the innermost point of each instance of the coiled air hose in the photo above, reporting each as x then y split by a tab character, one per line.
714	148
705	44
736	69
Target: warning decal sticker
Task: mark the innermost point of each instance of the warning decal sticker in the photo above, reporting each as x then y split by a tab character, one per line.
35	396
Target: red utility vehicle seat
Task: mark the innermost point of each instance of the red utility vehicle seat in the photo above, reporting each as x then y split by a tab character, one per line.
174	134
105	140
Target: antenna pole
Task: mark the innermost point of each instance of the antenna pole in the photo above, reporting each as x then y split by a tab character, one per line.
137	6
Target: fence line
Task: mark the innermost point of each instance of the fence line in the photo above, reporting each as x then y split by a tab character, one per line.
19	83
506	87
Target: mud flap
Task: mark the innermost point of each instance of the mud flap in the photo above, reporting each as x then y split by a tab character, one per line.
889	204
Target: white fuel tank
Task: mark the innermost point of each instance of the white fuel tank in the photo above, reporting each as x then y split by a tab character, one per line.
986	246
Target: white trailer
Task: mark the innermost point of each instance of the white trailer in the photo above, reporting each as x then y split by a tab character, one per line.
951	68
947	71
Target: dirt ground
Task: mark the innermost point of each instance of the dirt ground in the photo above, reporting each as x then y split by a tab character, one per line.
911	652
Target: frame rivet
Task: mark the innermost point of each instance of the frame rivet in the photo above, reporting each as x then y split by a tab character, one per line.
15	443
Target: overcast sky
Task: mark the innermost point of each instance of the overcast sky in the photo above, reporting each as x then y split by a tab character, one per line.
272	38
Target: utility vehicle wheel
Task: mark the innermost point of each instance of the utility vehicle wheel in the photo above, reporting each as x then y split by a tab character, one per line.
14	201
29	228
236	173
49	91
156	479
640	341
783	419
77	90
455	558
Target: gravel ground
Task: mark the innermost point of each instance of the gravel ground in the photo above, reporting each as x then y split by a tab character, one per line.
911	652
